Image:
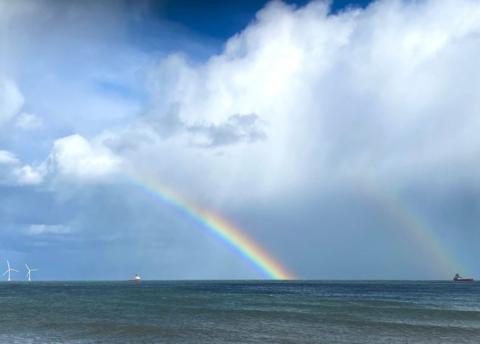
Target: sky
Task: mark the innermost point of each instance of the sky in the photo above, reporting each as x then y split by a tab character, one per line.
341	137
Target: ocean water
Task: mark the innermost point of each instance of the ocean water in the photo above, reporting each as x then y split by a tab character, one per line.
240	312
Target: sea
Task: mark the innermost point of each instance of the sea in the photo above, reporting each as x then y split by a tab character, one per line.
240	312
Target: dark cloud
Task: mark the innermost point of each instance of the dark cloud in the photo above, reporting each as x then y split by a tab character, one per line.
237	128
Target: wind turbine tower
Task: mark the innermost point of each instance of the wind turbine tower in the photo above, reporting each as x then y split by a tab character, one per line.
9	269
29	272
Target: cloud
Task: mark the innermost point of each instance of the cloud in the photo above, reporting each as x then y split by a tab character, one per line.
7	158
42	229
365	92
73	157
237	128
28	175
29	121
12	172
11	100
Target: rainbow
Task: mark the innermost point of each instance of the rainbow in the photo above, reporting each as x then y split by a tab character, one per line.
420	231
217	226
417	228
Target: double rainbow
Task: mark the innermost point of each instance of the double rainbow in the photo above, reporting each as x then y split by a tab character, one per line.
266	264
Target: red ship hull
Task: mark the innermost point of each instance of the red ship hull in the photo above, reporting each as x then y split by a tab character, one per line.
463	279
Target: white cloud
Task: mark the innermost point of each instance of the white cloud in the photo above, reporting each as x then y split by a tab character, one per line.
12	172
29	121
75	157
41	229
361	93
11	100
28	175
387	90
384	92
7	158
72	158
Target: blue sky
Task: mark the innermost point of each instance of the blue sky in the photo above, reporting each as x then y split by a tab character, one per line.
219	19
341	136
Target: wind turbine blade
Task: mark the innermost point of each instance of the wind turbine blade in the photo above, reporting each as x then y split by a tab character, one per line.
14	270
6	272
27	267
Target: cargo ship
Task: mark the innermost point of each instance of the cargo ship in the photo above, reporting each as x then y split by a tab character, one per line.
458	278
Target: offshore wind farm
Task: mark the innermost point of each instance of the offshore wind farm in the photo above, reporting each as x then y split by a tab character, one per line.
261	171
10	269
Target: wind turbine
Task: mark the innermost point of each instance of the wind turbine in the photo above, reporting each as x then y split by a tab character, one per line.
8	271
29	272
